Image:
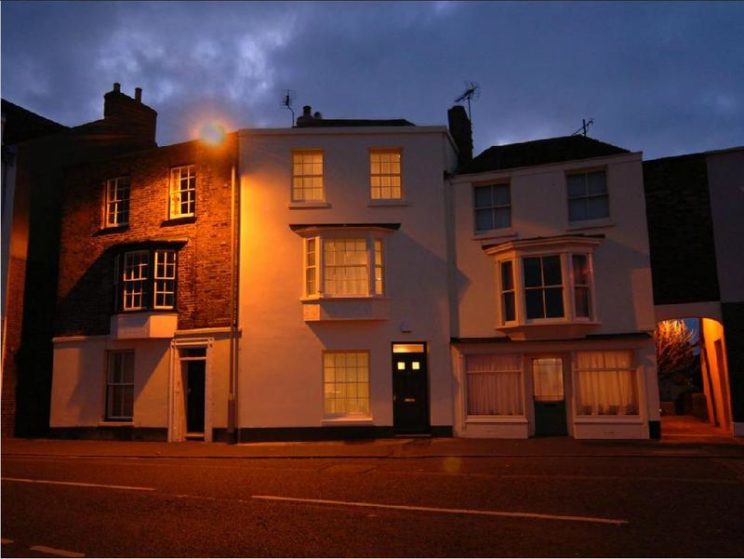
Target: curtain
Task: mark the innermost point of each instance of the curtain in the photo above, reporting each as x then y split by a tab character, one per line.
494	385
607	383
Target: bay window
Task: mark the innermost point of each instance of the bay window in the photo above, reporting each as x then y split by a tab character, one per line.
145	279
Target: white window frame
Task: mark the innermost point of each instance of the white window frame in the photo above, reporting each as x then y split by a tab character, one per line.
331	386
182	191
118	196
315	269
113	388
493	207
586	196
144	278
304	171
385	166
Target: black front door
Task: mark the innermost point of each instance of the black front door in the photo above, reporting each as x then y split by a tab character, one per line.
550	400
195	397
410	389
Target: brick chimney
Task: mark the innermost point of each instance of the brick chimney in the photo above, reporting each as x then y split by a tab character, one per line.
462	133
130	115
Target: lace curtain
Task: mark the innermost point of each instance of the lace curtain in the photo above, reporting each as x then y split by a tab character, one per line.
607	383
494	385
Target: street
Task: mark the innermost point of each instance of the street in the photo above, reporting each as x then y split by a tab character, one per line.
667	503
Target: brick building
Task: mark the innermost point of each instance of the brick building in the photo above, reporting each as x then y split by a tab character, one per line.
143	334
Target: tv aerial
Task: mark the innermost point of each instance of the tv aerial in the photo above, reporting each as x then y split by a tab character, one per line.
288	98
585	124
472	91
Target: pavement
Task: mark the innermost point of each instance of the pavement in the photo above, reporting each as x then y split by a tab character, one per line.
678	443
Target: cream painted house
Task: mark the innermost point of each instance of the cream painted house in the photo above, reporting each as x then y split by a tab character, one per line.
554	315
344	316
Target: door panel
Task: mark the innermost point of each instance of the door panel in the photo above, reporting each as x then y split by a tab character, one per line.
195	396
549	396
410	389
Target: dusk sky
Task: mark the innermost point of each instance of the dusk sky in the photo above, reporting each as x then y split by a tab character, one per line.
662	78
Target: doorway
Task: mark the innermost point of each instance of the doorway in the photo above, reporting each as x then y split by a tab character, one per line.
410	389
549	396
194	377
190	401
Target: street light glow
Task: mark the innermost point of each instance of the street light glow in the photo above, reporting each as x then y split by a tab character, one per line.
212	133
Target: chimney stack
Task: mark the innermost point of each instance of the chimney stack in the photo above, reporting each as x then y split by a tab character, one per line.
138	94
307	116
117	87
462	133
130	116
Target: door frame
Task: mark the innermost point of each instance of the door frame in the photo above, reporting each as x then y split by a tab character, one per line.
567	365
176	402
427	391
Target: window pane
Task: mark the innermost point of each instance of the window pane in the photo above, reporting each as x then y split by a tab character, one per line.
597	208
581	297
551	270
554	302
508	300
607	392
483	197
580	268
500	195
507	278
596	183
534	302
547	379
576	185
577	209
345	386
532	272
501	218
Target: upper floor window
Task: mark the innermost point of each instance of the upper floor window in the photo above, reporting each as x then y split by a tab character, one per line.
543	282
183	192
146	280
587	196
344	267
117	202
492	206
385	174
307	176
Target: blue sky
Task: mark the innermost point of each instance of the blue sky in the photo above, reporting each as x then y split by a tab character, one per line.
663	78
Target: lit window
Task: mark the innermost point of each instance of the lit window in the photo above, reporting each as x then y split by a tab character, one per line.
494	385
147	280
344	267
183	192
587	196
117	202
346	384
492	205
307	176
384	174
607	383
543	287
120	385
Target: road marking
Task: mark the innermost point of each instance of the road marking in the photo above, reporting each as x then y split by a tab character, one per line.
58	552
475	512
78	484
5	540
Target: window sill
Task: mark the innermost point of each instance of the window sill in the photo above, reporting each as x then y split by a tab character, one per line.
627	419
116	423
337	421
387	203
519	419
505	233
590	224
178	220
112	229
308	205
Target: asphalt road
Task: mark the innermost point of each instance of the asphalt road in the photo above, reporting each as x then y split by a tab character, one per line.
665	506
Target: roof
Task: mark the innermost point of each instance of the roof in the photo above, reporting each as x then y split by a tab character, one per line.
350	122
540	152
21	124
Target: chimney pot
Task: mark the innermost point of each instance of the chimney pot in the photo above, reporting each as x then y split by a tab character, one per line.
317	115
138	94
307	111
117	87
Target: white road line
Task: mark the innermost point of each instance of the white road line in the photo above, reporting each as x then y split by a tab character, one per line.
58	552
78	484
474	512
5	540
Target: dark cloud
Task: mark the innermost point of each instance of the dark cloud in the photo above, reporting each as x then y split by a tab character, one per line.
665	78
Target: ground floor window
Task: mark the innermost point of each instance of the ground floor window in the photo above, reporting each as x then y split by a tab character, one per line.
120	386
494	385
346	384
607	383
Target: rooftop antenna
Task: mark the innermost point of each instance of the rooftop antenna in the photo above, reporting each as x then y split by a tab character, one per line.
472	91
287	99
585	124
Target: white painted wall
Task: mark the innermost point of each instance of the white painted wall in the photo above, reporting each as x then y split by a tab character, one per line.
281	377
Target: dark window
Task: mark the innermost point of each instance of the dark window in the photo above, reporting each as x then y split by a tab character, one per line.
492	205
507	291
581	277
543	287
587	196
120	385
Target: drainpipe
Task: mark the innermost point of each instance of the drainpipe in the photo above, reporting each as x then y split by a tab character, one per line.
233	425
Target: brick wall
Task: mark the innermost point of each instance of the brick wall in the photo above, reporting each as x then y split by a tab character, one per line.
680	230
86	265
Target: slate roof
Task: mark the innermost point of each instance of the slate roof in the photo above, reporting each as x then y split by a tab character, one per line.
539	152
351	122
